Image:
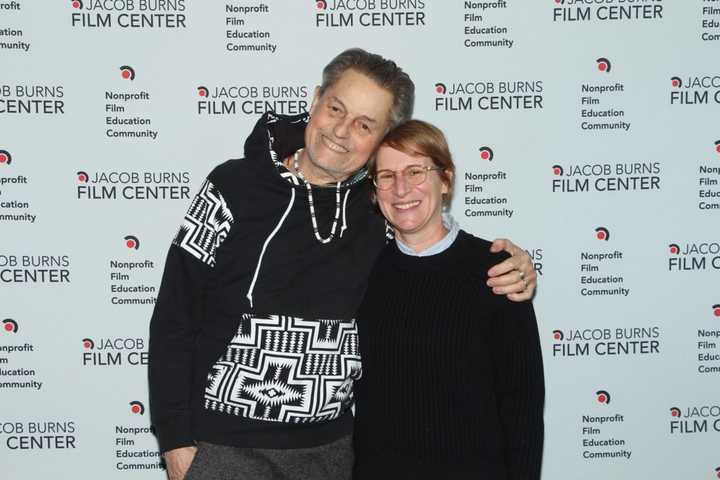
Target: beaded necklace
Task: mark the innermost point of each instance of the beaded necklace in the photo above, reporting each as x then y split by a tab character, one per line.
329	238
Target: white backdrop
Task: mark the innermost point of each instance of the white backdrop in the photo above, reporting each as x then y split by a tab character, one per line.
584	130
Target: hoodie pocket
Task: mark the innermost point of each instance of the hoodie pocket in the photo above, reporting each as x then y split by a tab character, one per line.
287	369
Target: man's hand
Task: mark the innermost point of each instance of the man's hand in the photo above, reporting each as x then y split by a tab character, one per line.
515	277
178	462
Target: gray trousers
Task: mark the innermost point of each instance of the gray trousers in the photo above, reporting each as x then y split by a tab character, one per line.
333	461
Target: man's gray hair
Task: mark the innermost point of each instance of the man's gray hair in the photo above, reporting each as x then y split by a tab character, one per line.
383	72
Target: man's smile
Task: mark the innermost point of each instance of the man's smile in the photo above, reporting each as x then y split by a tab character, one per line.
335	147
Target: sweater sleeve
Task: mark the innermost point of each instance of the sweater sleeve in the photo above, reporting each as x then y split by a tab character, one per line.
178	315
520	388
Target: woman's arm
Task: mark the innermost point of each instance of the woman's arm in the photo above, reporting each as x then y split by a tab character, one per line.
520	389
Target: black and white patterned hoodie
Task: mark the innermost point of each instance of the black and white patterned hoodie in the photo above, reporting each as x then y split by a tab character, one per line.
253	341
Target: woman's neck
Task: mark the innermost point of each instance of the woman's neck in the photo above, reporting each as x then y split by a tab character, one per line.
424	239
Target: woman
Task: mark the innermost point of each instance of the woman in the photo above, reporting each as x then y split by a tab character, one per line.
452	383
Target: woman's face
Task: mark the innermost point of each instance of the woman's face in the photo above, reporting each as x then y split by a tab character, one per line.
411	209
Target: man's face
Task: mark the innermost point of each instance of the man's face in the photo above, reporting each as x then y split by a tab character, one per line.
346	125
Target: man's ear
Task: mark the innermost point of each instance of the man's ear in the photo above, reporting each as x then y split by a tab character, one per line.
315	100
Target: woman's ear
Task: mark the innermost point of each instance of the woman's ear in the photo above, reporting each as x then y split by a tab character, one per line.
448	183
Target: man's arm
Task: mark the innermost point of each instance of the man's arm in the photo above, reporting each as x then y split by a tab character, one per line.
170	366
173	332
175	325
515	277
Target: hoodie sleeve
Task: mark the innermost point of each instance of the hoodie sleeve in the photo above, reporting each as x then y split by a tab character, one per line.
178	315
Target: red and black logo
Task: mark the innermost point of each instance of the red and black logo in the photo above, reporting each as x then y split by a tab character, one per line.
603	64
602	233
82	177
560	2
10	325
558	335
5	157
674	248
440	88
676	82
137	407
321	4
717	146
76	4
717	472
127	72
486	153
557	170
131	241
88	344
203	91
675	412
603	396
716	309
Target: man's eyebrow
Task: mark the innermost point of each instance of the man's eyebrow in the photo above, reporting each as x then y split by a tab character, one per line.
365	117
336	99
368	119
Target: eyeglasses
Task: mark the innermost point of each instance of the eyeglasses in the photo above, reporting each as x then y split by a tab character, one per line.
413	175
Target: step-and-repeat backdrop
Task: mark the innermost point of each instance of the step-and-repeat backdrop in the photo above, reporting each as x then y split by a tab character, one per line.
588	131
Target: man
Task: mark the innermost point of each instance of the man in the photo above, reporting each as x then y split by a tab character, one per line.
253	342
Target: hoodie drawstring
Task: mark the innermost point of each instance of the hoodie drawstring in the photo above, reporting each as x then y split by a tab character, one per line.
249	295
344	209
344	227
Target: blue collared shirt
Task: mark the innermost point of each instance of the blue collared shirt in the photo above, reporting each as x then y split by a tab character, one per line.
453	228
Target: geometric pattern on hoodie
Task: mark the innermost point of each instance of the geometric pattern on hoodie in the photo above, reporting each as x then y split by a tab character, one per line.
206	224
286	369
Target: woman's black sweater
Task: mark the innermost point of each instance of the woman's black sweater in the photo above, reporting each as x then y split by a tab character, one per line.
452	383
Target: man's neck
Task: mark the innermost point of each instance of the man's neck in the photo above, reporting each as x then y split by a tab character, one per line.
313	175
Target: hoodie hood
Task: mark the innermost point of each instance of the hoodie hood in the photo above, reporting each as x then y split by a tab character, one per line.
276	137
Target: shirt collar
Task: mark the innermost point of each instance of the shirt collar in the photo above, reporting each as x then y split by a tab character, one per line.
443	244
